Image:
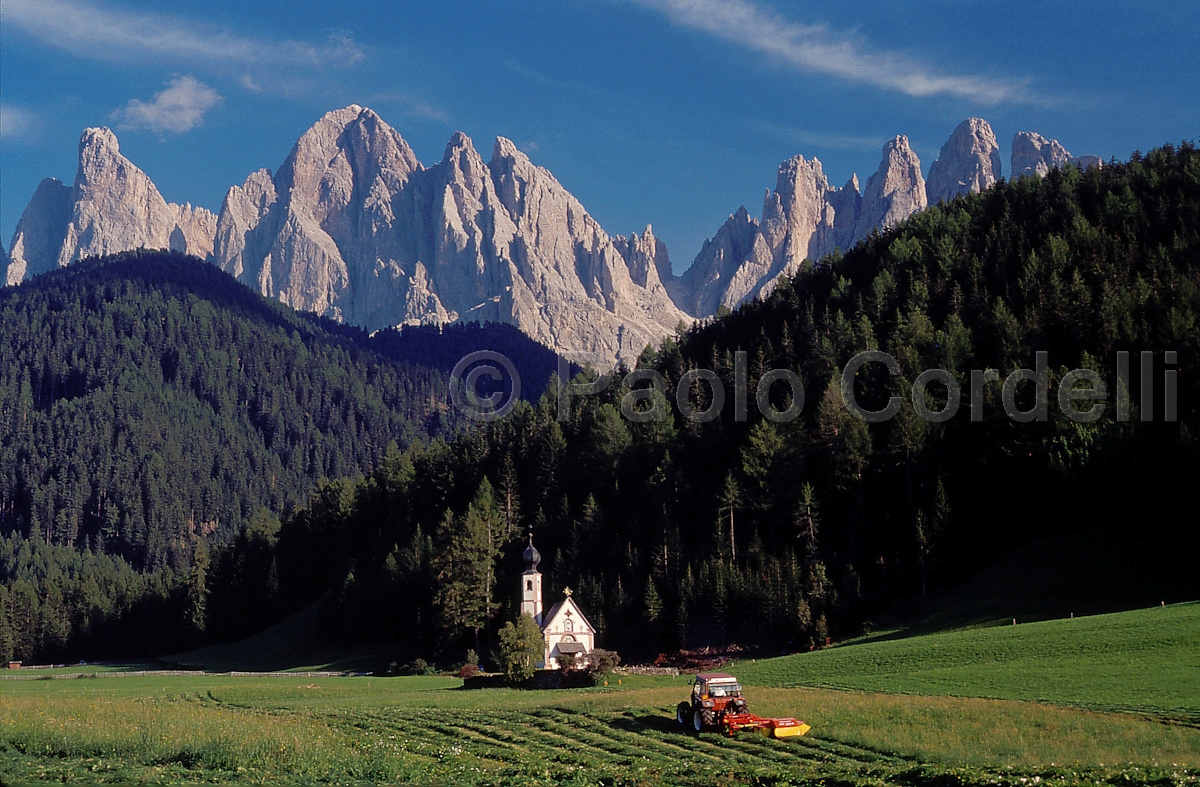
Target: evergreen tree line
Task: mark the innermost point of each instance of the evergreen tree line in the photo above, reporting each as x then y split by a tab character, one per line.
151	405
677	532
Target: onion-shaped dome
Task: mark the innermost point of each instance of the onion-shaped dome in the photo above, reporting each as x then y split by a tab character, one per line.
531	556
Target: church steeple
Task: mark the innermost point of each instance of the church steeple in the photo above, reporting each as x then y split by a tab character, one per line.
531	583
531	556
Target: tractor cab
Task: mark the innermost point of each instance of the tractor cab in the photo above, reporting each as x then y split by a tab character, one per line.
716	692
716	686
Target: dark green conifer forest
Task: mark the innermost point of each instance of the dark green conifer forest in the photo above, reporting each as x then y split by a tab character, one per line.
672	531
157	414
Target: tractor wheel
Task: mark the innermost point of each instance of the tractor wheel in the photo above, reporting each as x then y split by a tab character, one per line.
683	712
698	720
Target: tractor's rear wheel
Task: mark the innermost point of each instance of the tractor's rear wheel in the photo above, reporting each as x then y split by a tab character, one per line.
683	713
698	720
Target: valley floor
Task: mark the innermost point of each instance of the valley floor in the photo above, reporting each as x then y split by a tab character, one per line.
891	719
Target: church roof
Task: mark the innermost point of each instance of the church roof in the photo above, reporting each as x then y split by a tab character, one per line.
570	604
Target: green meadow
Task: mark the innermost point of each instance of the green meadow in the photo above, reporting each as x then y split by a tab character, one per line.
1112	699
1142	661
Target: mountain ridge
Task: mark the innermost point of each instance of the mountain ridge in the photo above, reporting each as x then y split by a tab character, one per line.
354	227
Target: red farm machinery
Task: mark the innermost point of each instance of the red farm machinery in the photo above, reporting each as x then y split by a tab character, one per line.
717	704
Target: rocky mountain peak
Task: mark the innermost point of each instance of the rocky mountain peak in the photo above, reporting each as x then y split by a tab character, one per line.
96	143
1033	154
41	232
969	162
459	144
647	257
353	227
894	192
113	206
504	148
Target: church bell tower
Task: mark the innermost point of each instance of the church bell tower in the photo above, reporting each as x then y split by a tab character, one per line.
531	583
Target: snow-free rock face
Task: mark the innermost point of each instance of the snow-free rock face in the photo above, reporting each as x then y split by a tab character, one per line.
894	192
354	227
112	207
314	236
1033	154
804	218
40	234
648	260
969	162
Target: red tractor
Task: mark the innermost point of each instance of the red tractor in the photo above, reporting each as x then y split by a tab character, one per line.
717	704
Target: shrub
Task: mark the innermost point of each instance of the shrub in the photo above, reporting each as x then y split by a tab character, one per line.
417	667
602	662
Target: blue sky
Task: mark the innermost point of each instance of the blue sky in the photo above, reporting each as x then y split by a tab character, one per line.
670	112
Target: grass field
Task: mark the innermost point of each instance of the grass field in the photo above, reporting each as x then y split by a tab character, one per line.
1119	693
1142	661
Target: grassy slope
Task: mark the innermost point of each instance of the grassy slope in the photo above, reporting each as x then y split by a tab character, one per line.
1145	660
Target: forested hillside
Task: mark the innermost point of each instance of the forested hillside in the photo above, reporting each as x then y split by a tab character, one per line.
674	531
150	405
677	532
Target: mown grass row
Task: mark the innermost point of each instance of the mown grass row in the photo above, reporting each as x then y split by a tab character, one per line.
422	731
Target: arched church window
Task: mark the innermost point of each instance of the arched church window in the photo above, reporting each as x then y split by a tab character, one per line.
568	625
529	584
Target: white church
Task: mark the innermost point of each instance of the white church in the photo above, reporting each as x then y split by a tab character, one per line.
564	627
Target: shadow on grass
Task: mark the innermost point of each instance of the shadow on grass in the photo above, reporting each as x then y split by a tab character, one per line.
647	723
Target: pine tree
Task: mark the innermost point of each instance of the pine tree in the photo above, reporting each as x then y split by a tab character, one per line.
510	499
197	586
808	518
728	501
6	634
465	566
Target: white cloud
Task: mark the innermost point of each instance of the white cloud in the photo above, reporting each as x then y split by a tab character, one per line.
248	82
179	108
821	139
17	124
411	105
817	49
89	30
